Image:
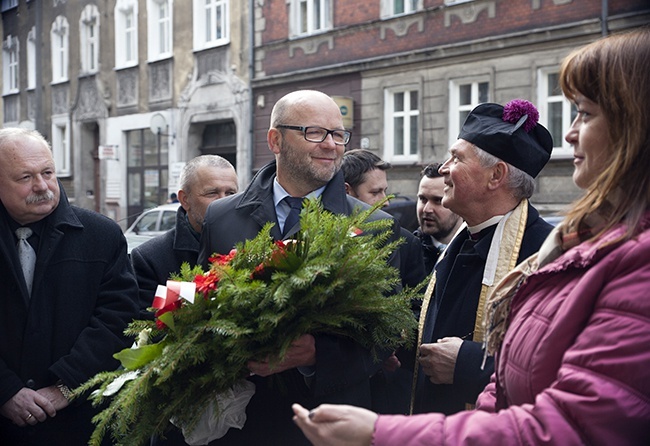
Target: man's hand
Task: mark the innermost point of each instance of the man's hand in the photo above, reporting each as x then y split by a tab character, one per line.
54	396
28	407
302	353
438	360
391	363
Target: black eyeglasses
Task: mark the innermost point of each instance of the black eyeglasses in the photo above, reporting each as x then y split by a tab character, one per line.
318	134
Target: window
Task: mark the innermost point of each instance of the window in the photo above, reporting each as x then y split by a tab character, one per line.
391	8
147	172
126	33
10	77
211	23
59	38
310	17
61	145
31	59
160	29
555	112
463	97
89	38
401	123
8	4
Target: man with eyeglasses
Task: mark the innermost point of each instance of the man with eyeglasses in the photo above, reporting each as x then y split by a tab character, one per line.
307	137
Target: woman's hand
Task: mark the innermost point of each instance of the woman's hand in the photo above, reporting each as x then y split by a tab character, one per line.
336	425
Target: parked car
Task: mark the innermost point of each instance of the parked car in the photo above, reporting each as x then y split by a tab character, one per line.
151	223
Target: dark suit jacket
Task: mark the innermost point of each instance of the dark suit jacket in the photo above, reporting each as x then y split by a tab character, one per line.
452	312
84	295
343	368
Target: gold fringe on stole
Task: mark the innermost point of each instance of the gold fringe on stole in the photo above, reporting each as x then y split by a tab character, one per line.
426	300
513	234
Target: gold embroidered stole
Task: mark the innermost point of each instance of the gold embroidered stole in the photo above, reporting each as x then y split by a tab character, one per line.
509	245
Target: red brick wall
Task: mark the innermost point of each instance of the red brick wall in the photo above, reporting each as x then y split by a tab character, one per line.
352	43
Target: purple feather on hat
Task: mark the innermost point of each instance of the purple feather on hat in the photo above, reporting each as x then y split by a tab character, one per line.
515	109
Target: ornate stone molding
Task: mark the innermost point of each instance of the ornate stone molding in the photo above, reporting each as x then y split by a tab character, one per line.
160	81
90	103
310	45
468	12
127	87
401	26
60	104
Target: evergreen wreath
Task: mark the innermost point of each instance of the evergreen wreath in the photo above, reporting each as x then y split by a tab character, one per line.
252	303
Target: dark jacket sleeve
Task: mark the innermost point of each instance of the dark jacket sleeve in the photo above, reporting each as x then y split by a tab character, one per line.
469	377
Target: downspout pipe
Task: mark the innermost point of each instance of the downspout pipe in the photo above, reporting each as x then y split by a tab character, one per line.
251	76
604	15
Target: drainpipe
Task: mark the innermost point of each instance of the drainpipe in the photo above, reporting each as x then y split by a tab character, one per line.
603	18
39	116
251	75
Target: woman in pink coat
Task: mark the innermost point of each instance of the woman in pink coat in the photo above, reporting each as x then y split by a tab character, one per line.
571	325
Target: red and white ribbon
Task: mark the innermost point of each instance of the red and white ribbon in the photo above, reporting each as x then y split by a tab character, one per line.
174	290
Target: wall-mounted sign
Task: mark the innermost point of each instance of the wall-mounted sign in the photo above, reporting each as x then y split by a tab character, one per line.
346	105
108	152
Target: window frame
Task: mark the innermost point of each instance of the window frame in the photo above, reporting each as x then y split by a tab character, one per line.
388	8
89	42
60	47
564	149
31	58
123	46
201	41
10	65
455	108
408	113
296	17
61	150
160	31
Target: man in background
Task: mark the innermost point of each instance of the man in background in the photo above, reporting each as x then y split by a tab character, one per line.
203	179
68	292
365	179
438	225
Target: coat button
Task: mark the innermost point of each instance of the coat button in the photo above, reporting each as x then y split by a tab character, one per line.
31	383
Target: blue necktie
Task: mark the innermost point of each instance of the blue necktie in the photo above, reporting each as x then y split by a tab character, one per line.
294	214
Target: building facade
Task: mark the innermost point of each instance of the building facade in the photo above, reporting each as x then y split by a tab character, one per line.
127	91
408	71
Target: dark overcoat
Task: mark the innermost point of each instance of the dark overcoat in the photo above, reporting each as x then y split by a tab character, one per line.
452	312
84	295
154	260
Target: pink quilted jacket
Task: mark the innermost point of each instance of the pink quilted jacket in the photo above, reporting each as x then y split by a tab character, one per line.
574	367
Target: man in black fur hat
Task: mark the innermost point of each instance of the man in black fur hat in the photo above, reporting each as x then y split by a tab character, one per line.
488	180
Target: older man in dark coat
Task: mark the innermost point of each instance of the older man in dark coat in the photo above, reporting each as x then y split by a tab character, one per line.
83	295
488	180
203	179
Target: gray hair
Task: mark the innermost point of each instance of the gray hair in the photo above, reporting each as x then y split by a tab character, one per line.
11	135
519	182
189	171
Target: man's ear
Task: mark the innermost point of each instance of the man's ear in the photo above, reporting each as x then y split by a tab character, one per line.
349	190
499	175
274	140
182	198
